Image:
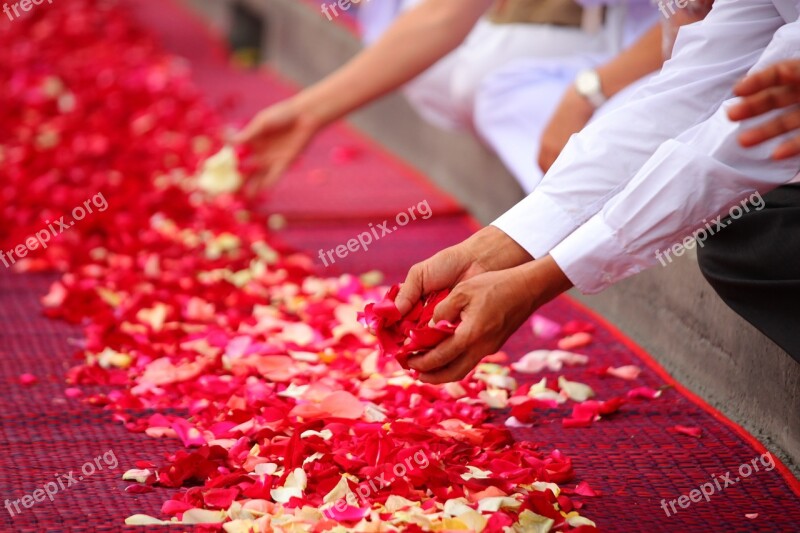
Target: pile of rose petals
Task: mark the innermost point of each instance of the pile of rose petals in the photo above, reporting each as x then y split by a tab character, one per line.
404	336
283	413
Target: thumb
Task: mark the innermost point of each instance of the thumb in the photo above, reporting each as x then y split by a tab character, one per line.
410	293
411	290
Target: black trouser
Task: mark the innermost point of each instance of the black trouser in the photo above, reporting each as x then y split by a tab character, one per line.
754	265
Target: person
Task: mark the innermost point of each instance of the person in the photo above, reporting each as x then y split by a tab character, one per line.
527	110
425	42
635	181
557	30
752	265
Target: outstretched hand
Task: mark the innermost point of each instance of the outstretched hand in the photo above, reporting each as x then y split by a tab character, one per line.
777	87
277	135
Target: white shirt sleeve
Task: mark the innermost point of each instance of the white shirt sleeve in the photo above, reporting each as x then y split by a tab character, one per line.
623	188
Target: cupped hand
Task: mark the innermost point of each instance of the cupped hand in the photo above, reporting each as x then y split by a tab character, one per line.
777	87
490	307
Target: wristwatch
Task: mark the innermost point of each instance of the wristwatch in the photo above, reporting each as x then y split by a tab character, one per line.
588	85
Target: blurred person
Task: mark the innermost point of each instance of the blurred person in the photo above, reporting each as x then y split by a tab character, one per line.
636	181
560	30
527	111
418	41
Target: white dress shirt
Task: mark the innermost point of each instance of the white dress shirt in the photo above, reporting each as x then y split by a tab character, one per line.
647	175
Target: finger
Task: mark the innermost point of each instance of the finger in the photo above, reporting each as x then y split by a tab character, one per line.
455	371
252	130
785	123
765	101
443	354
411	289
266	121
786	73
450	308
258	181
254	184
272	166
275	172
788	149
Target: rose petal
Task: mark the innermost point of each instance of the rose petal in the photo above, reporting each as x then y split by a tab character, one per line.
644	393
578	340
544	328
628	372
27	379
690	431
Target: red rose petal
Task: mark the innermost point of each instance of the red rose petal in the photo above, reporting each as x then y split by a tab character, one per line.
686	430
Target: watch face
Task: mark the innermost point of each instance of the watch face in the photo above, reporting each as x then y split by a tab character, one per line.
587	83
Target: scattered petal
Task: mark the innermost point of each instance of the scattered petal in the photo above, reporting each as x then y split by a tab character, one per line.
28	380
645	393
628	372
578	340
690	431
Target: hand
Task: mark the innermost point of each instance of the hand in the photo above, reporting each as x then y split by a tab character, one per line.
572	114
491	307
774	88
277	134
487	250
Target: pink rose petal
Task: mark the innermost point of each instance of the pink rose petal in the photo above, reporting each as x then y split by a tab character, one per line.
628	372
544	328
28	379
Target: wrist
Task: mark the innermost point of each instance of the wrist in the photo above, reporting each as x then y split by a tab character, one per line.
494	250
589	86
577	104
542	280
314	109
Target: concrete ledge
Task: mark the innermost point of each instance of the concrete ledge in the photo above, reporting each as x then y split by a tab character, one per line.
671	312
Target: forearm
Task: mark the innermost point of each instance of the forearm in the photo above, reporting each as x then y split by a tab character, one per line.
660	211
642	58
417	40
606	155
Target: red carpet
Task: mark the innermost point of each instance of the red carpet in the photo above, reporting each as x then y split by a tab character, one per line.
631	457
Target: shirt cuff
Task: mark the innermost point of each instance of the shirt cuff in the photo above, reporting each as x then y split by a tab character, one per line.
593	258
536	223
